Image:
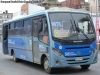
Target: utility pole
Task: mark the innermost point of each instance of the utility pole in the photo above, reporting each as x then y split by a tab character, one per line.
97	24
91	10
41	2
96	9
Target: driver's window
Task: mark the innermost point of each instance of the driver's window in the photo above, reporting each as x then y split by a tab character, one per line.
43	32
45	27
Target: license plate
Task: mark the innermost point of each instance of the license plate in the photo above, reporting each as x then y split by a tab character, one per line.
79	58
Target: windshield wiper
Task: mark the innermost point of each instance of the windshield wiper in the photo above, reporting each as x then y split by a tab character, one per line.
74	29
78	29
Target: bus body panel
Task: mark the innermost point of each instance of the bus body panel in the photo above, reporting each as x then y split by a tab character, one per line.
5	46
22	54
22	47
44	50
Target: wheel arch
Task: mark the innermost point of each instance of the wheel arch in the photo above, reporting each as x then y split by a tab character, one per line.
12	51
42	58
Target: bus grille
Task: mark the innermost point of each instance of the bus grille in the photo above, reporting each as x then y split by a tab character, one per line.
78	47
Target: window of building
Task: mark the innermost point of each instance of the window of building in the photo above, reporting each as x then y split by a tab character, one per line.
48	4
8	16
5	16
0	31
0	21
0	26
25	11
11	16
0	16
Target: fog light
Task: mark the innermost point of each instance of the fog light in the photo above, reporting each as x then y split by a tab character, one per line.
57	62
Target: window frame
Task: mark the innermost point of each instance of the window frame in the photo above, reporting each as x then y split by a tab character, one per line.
40	17
9	28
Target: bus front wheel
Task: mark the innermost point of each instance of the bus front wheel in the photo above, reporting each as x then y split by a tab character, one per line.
85	66
47	66
14	58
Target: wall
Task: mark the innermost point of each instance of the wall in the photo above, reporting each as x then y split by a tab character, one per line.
24	9
94	21
72	3
92	5
34	8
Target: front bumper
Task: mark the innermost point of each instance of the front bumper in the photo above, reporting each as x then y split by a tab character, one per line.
61	61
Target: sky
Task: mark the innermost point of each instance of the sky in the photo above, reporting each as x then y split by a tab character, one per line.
13	7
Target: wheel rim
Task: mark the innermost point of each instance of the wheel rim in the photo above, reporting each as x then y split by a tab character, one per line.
46	65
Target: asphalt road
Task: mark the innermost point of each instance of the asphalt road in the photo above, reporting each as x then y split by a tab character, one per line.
9	67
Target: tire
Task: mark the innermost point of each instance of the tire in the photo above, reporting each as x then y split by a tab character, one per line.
85	67
14	58
46	66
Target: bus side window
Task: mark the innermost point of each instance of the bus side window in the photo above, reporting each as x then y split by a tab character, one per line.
43	34
18	28
27	27
35	28
11	29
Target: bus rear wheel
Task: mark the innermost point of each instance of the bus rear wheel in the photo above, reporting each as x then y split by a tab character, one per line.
14	58
85	67
47	66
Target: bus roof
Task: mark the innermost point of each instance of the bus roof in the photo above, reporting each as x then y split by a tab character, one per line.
42	12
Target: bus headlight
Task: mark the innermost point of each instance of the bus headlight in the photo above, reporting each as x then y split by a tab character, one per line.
57	51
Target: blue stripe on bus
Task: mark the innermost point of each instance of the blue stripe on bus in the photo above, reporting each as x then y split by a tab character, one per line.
76	50
22	47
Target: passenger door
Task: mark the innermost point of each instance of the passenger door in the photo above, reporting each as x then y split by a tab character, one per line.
35	40
40	38
5	39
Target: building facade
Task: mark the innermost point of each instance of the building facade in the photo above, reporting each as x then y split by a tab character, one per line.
76	4
30	8
93	5
51	3
4	17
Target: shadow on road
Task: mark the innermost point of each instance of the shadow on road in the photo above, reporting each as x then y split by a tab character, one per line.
68	70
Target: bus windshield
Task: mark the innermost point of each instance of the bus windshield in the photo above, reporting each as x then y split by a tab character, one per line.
72	26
